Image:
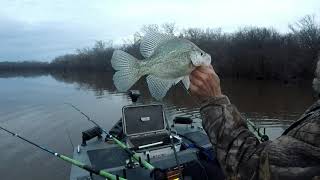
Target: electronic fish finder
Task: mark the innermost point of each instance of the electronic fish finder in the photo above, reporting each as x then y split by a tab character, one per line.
145	130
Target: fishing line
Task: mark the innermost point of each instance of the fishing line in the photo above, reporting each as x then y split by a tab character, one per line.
68	133
118	142
174	149
263	137
79	164
198	100
203	168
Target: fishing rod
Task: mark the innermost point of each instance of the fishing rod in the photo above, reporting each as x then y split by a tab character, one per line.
118	142
81	165
263	137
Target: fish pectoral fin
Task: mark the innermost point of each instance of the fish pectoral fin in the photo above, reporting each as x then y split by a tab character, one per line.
159	87
150	42
186	82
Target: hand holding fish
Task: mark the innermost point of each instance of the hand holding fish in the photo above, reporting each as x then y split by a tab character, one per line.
205	83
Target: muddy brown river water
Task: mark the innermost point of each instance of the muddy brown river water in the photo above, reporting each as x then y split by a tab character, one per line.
34	107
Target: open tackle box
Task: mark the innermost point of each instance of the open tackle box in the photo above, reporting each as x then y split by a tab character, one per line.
145	130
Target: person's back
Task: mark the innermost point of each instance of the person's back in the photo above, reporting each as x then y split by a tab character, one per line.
294	155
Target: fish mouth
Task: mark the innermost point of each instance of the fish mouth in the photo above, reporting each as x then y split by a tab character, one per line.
193	66
196	65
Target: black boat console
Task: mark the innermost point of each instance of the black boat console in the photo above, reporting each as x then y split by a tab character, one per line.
145	131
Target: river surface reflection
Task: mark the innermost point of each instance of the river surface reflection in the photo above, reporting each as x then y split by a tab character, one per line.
34	106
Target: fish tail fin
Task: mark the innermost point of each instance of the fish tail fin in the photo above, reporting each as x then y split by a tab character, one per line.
127	68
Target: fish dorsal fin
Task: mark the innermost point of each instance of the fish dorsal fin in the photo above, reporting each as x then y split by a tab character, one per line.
150	42
159	87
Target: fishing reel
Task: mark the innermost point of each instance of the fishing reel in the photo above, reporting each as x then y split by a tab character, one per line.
263	137
90	134
134	95
169	174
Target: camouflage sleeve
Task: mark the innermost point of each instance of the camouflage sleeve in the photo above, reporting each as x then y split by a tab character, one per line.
294	155
237	148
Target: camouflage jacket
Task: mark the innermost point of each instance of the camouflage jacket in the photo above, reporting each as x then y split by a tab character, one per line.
294	155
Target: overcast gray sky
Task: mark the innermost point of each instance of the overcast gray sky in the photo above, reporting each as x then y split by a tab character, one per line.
43	29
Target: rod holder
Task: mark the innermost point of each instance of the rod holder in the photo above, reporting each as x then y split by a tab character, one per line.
90	134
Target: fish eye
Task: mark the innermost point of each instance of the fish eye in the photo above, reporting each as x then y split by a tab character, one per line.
201	54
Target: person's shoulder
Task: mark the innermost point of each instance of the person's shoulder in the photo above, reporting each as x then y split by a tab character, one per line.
307	127
314	107
313	112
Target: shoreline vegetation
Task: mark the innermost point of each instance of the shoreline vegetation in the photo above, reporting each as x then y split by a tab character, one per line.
250	52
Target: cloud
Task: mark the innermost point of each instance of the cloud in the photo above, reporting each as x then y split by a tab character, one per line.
41	30
42	41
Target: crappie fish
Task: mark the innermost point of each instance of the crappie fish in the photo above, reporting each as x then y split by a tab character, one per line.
168	60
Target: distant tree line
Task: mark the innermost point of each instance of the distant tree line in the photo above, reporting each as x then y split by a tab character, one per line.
90	59
250	52
24	65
